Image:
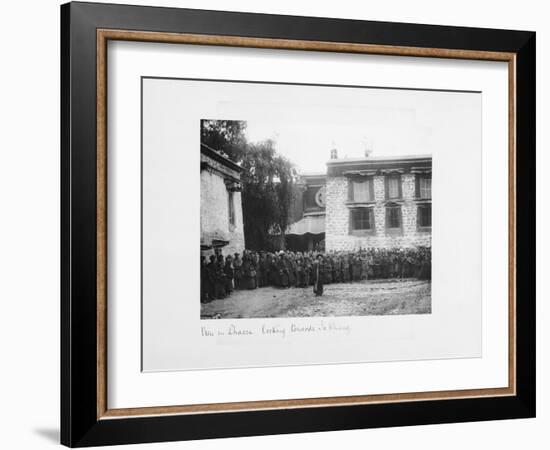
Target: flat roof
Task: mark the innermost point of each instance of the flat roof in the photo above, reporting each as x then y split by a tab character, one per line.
378	159
214	154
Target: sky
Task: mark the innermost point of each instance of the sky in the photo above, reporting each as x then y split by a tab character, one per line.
307	137
306	122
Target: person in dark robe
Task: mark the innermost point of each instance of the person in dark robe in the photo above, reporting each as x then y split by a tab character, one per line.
425	263
219	278
318	275
204	281
229	272
386	264
249	273
273	278
364	266
345	268
290	266
211	278
237	271
370	268
376	270
257	269
282	271
356	268
336	272
307	270
327	263
406	264
264	269
299	270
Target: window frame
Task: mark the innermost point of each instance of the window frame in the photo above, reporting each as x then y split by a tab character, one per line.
417	178
399	208
351	190
362	231
419	226
232	217
399	179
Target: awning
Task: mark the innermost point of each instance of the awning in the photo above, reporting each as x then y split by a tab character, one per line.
309	224
213	239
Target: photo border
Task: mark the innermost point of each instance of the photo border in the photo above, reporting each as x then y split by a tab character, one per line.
105	35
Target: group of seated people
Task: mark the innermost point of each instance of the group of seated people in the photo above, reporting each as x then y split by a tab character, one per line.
221	275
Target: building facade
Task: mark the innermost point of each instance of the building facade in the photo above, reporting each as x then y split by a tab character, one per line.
370	202
307	232
221	206
378	202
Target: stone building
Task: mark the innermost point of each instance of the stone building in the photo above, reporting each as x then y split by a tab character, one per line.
308	230
221	207
378	202
367	202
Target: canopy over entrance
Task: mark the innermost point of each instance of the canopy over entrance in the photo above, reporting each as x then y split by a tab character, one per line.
213	239
307	225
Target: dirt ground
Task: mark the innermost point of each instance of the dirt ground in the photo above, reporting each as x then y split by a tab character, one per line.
378	297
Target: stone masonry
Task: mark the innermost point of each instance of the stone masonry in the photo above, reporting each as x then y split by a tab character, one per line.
216	181
338	236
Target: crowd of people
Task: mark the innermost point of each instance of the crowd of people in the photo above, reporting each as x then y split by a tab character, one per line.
221	275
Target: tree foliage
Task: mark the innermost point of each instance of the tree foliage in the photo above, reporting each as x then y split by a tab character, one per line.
269	181
225	136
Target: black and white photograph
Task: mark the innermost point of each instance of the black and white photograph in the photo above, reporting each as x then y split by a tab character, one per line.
275	225
324	217
282	239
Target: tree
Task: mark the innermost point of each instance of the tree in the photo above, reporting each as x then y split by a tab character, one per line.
227	136
269	181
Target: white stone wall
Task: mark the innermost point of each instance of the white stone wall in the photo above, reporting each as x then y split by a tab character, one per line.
337	213
215	211
338	237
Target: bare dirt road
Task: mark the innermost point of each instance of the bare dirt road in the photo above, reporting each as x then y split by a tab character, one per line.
363	298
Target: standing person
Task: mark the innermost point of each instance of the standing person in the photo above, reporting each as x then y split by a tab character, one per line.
345	268
291	268
204	281
364	266
336	269
249	273
356	268
386	265
272	270
264	269
327	269
376	264
229	272
219	278
282	271
237	271
318	275
257	269
299	270
307	270
211	278
370	265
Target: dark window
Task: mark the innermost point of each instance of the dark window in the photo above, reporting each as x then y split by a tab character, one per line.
231	207
393	217
312	197
362	219
424	215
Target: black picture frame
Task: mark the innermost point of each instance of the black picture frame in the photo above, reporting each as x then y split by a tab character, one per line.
80	425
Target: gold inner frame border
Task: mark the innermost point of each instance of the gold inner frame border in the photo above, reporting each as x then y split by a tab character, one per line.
105	35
